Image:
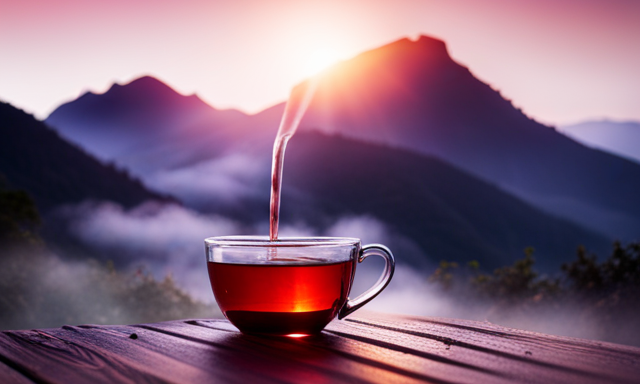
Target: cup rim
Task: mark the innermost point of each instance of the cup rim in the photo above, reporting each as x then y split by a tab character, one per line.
263	241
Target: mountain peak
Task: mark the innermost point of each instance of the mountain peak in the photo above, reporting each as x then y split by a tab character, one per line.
411	94
144	93
423	46
147	81
432	44
145	85
96	117
404	58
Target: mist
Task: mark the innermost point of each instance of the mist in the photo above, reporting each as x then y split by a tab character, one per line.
227	179
164	239
167	240
412	293
39	289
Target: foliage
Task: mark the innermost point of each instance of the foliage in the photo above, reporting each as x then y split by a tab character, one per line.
609	292
516	283
18	216
605	295
619	273
445	274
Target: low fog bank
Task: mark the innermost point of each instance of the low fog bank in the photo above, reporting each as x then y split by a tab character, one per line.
588	299
40	290
412	293
229	179
163	239
167	240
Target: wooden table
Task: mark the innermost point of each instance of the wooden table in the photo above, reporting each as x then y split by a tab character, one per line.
365	347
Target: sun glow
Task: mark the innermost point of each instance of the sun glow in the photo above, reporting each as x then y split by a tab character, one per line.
319	60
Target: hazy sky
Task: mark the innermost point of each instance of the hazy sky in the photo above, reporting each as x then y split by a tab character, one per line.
561	61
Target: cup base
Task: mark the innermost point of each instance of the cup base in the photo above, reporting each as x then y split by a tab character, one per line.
281	323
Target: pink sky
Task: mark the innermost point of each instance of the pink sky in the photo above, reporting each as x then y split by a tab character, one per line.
561	61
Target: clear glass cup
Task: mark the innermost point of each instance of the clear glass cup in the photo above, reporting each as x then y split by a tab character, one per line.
292	285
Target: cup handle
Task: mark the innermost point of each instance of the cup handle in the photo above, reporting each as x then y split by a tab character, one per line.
390	264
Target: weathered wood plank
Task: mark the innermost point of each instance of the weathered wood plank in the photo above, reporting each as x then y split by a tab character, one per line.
131	345
10	375
295	356
542	358
365	348
578	351
378	363
220	356
510	370
47	359
623	354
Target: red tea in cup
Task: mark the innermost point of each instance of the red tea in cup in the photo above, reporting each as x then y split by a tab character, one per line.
290	286
283	298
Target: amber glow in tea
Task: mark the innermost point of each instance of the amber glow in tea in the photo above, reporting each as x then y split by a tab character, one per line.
282	298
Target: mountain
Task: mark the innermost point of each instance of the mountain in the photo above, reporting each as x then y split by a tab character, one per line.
146	126
212	160
447	212
411	94
619	138
467	149
54	172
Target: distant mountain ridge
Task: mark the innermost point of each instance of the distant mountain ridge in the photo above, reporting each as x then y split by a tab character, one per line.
408	100
441	209
54	172
411	94
621	138
176	143
447	212
145	125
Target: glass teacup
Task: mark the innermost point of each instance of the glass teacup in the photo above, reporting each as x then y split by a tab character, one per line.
292	285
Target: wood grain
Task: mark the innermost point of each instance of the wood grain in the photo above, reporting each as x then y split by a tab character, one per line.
47	359
540	349
216	356
298	358
365	348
